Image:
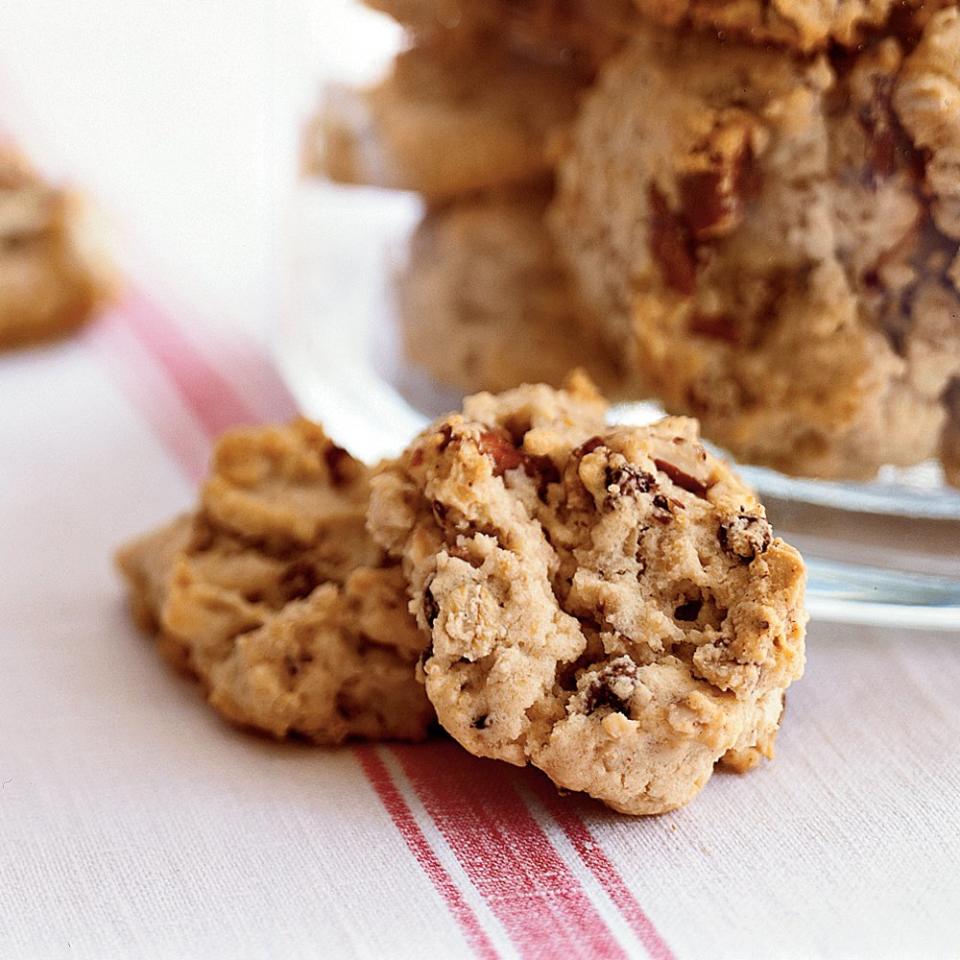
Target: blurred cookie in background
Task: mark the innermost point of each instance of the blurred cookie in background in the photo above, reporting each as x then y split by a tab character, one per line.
53	277
442	123
484	303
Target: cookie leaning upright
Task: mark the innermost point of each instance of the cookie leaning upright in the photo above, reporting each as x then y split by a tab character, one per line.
275	597
608	604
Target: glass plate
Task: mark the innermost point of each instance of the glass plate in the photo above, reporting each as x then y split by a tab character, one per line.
885	552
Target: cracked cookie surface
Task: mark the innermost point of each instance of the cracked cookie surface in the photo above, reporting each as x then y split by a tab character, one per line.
608	604
275	597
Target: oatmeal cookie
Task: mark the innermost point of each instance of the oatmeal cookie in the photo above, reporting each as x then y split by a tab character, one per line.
610	605
764	240
443	124
580	32
275	597
484	302
804	25
51	280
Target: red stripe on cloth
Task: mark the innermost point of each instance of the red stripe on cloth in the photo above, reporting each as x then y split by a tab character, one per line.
506	855
150	391
600	865
211	397
381	781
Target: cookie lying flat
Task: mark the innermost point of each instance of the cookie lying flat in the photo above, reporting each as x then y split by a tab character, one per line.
51	281
609	605
276	598
771	242
444	124
484	302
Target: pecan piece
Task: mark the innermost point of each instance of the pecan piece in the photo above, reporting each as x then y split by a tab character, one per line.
672	246
745	537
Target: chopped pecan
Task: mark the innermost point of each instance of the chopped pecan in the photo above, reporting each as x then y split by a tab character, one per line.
745	537
714	197
672	245
682	479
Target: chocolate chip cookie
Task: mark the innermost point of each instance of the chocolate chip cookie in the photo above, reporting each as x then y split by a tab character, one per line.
608	604
51	279
273	594
770	241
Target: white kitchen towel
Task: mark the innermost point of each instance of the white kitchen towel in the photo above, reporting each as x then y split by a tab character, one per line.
136	824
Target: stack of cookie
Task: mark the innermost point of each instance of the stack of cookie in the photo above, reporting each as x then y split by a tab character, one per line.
52	279
607	604
754	207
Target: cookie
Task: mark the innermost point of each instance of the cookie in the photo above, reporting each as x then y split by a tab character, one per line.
275	597
607	604
443	123
805	25
762	238
580	32
51	279
484	302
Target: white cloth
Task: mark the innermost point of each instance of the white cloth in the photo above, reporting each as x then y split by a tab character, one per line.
135	824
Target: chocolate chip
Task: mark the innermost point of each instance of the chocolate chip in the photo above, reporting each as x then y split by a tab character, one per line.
682	479
745	536
612	687
628	480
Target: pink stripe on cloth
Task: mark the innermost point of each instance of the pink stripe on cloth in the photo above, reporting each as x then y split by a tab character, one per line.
506	855
210	396
212	401
381	781
600	865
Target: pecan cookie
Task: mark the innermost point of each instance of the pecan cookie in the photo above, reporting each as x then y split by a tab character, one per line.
51	280
805	25
275	597
484	302
444	124
609	605
768	241
580	32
